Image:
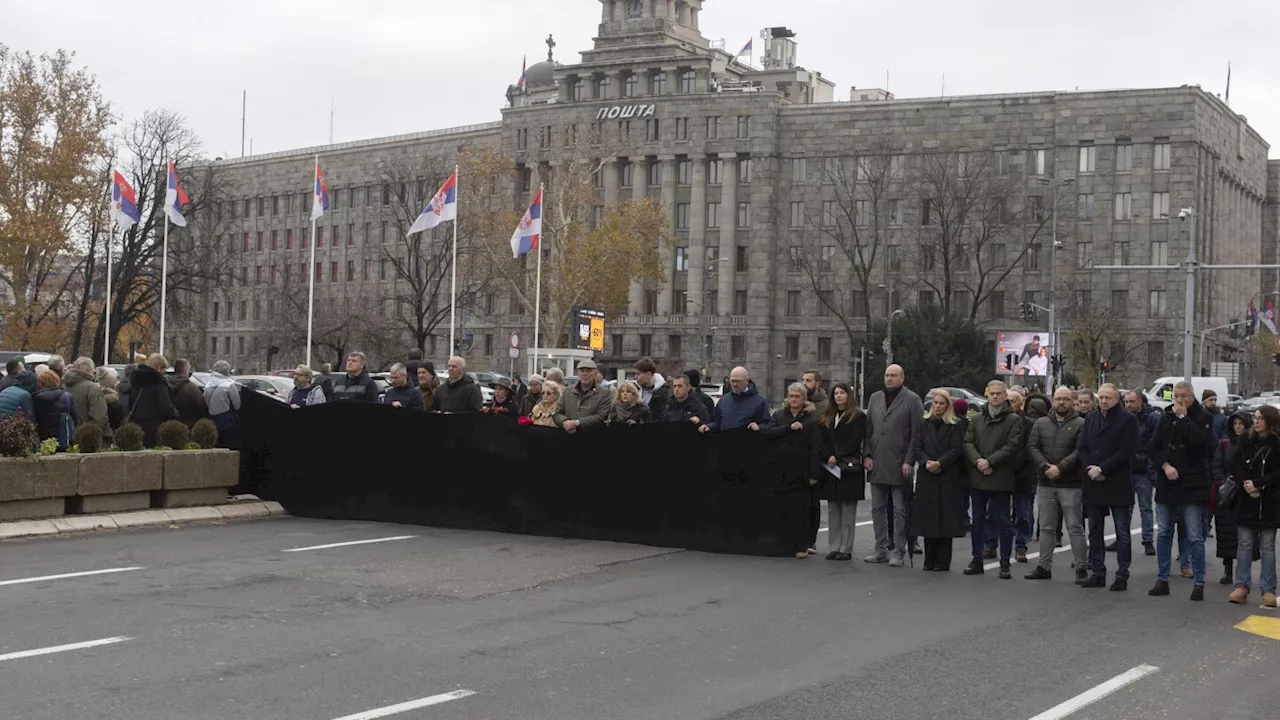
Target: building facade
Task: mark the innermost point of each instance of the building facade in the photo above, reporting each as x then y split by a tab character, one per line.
750	166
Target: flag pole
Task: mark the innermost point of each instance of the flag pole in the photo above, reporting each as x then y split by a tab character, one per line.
537	300
311	266
453	280
106	330
164	275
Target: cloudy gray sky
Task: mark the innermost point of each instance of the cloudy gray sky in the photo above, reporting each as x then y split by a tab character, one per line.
399	66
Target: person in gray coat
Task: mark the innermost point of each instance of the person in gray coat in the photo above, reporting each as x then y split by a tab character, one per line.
895	416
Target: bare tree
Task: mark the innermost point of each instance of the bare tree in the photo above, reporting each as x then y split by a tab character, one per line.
975	226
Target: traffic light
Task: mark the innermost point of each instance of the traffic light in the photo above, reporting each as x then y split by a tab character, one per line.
1056	362
1022	312
1008	361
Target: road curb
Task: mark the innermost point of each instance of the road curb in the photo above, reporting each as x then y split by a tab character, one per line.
139	518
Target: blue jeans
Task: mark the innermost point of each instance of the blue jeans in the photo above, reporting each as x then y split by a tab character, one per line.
1244	558
1123	518
1145	491
1187	517
1023	520
995	505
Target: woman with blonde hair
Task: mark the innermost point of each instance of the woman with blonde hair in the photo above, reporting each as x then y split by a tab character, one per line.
543	414
843	427
938	513
628	406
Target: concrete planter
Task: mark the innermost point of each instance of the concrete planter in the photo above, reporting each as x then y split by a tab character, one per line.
37	486
117	481
197	477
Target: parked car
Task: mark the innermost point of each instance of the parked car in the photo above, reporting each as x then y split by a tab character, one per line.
269	385
975	400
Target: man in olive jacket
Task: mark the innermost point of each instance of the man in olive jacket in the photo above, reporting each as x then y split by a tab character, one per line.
90	404
993	444
1106	446
586	404
1052	455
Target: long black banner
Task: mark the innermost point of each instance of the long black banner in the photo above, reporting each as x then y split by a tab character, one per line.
664	485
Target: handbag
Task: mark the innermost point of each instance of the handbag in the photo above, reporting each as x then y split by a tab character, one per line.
1228	492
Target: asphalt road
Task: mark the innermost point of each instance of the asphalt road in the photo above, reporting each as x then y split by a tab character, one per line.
221	621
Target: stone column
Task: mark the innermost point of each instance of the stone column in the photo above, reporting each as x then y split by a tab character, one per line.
665	298
639	186
698	232
728	227
611	179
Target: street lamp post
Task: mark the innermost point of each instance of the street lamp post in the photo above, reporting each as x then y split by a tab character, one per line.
888	338
711	270
1053	273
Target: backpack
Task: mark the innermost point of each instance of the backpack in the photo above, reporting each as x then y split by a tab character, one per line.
67	431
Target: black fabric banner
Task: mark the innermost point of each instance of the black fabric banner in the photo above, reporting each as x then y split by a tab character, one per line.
664	485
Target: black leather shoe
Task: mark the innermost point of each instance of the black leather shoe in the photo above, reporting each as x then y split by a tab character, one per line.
1160	589
1119	585
1081	576
1005	573
1039	574
975	568
928	566
1111	547
1149	549
1197	593
1095	581
833	555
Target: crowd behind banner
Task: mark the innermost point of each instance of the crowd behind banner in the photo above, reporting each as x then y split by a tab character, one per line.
937	473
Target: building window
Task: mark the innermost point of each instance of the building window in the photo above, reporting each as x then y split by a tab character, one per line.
738	347
828	252
615	342
826	301
797	214
895	212
1035	162
798	174
257	275
544	136
628	172
655	173
659	84
682	216
577	89
688	82
893	258
898	167
597	217
926	211
1163	155
382	269
1124	157
1156	307
682	259
1119	302
858	300
1033	258
684	172
1084	207
1159	252
741	260
631	86
744	215
824	349
1159	206
1088	158
999	255
713	215
522	142
244	310
744	170
646	345
862	212
650	304
1084	254
682	128
1124	206
744	126
1155	354
795	259
793	303
828	213
262	206
674	350
715	172
713	127
925	297
1000	162
928	258
602	88
995	308
1120	253
793	348
259	241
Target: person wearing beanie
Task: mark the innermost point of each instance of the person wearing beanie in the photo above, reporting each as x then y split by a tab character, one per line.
695	385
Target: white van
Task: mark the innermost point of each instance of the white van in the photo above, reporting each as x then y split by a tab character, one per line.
1161	393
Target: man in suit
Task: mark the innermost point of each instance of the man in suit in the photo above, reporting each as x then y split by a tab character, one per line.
895	416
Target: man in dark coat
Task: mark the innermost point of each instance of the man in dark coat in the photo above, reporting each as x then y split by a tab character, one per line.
993	445
743	407
684	406
894	418
1209	401
1053	458
1106	448
1181	452
1024	487
654	390
1148	419
459	394
356	383
149	400
413	360
401	394
187	398
11	370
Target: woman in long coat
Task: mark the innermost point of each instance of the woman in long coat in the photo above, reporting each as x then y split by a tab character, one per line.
844	430
938	515
1224	516
796	449
1256	466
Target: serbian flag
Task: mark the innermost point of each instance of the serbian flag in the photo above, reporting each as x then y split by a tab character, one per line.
523	66
124	202
442	207
746	49
1268	318
320	196
174	198
526	237
1252	326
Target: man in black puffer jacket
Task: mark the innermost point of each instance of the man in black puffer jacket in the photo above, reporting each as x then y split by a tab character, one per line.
460	394
356	384
683	406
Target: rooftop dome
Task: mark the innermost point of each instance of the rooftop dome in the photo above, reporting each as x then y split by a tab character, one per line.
540	75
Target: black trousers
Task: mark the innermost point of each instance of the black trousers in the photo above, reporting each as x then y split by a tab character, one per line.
937	553
815	519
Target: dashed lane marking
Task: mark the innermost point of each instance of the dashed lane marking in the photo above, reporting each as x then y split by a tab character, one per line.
1089	697
407	706
64	576
353	542
62	648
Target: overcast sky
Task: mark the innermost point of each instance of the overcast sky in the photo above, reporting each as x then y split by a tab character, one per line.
399	66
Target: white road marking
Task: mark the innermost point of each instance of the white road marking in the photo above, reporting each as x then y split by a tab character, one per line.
62	648
1064	548
407	706
353	542
64	576
864	523
1092	696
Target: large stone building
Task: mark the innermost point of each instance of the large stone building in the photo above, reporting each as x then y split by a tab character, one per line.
749	162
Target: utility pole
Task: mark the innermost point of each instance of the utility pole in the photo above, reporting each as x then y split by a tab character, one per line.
1055	351
1191	266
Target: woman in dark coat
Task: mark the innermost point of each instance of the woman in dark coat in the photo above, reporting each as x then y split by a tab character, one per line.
1256	466
1224	516
843	482
796	450
149	400
938	515
55	410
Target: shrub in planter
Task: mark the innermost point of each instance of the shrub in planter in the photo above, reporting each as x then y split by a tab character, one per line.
129	437
172	434
88	438
205	434
47	447
17	435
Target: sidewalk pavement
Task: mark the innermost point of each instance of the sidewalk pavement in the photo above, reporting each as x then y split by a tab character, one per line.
140	518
